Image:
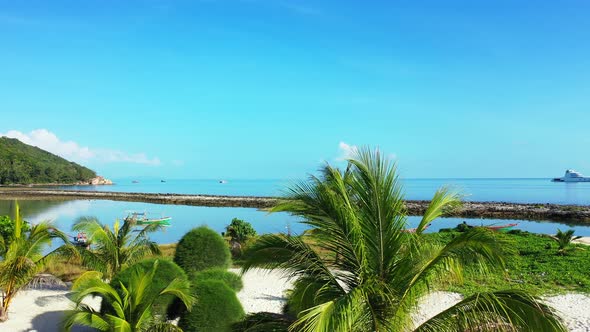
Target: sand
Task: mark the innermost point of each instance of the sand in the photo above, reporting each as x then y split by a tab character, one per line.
43	310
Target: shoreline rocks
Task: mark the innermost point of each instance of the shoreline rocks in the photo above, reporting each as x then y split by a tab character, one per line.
570	214
96	181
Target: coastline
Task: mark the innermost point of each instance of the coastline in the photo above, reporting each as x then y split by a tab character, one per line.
571	214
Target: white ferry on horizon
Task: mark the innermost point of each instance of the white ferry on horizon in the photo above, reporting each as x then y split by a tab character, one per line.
572	176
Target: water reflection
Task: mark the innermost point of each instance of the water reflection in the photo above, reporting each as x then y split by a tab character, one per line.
184	218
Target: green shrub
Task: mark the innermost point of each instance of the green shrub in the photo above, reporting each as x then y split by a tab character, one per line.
200	249
165	273
216	309
264	322
231	279
239	230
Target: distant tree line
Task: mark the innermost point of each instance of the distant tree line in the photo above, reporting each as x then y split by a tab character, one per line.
24	164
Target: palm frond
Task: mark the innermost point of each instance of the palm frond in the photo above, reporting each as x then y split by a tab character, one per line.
444	201
511	310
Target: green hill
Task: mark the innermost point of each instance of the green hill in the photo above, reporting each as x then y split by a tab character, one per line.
24	164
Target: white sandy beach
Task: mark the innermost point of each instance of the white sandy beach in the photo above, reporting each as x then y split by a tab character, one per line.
42	310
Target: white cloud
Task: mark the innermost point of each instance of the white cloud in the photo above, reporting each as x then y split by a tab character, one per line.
71	150
346	151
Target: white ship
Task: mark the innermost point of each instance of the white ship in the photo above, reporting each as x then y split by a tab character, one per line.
572	176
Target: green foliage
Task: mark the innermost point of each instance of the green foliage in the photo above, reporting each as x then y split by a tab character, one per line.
216	309
113	249
364	272
200	249
25	256
263	322
7	230
166	272
131	303
533	267
239	230
564	240
24	164
231	279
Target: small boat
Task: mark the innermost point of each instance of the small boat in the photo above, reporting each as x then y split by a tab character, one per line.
498	228
222	181
134	181
501	228
162	180
572	176
141	218
81	240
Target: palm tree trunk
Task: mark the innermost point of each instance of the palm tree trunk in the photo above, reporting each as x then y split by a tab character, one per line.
3	309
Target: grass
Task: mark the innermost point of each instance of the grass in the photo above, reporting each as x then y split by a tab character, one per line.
534	266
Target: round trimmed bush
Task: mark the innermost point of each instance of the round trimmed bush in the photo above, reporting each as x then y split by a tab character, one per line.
165	273
231	279
216	309
200	249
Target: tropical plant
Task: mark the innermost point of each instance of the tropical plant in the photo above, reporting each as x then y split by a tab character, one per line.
231	279
263	322
132	302
200	249
7	231
359	269
166	272
238	231
25	256
216	309
111	250
564	240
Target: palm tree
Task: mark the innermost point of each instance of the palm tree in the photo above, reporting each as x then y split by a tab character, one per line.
564	240
359	269
111	250
131	303
25	256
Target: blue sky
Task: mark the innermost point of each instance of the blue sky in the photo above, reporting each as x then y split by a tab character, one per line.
270	88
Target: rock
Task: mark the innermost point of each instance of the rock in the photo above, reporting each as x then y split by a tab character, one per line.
97	181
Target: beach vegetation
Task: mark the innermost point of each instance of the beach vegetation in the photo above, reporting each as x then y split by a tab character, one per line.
7	226
263	322
232	280
113	249
200	249
238	232
216	309
25	254
531	266
25	164
166	272
132	302
370	271
564	240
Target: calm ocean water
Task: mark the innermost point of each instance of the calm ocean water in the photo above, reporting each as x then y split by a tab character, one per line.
64	213
506	190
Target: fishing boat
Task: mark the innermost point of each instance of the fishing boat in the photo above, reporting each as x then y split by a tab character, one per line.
141	218
572	176
494	227
501	228
81	240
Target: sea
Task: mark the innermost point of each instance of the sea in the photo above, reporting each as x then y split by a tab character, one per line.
184	218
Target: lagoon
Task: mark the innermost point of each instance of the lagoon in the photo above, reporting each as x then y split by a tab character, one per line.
64	213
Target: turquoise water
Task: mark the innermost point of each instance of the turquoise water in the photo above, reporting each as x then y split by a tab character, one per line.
187	217
505	190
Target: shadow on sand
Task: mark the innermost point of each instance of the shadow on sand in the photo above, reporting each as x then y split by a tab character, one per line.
51	322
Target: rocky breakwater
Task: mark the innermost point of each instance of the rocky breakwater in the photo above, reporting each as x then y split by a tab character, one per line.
570	214
573	214
96	181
